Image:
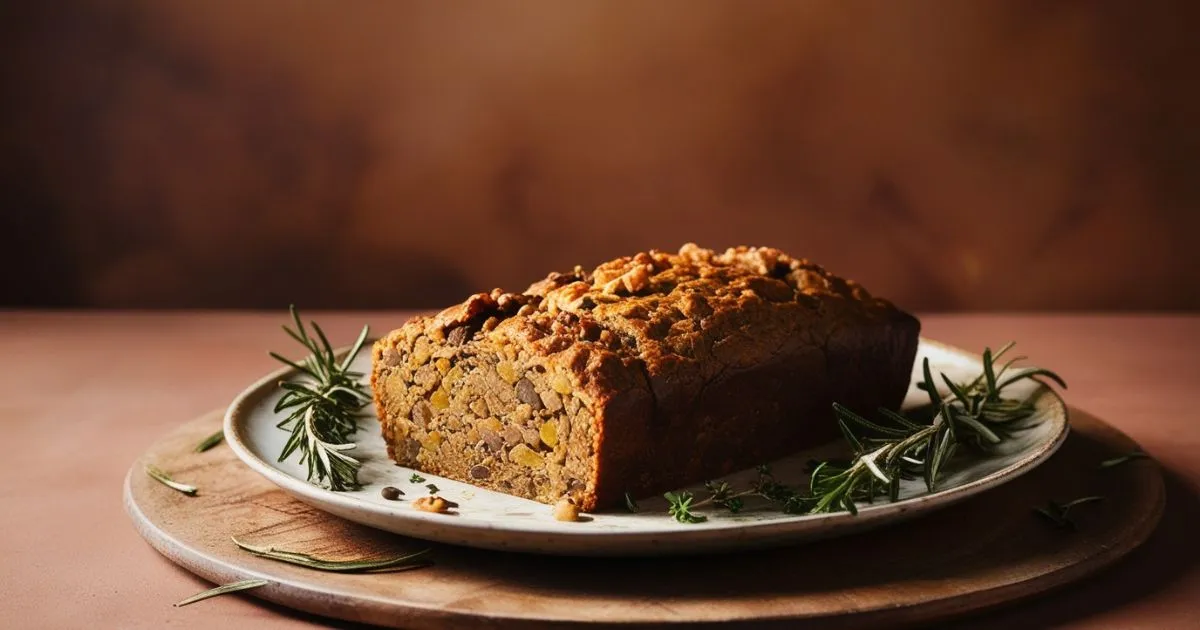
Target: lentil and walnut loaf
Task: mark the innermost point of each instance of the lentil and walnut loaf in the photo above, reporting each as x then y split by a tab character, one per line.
647	374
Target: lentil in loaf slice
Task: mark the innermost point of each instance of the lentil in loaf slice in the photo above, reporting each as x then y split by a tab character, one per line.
647	374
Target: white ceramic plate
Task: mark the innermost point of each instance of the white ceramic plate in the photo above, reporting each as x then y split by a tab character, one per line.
493	520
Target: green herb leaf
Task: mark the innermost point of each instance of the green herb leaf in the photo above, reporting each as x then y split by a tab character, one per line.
846	414
733	504
222	590
989	373
935	398
395	563
162	477
979	427
415	478
1121	459
1072	503
210	441
432	488
855	445
901	420
1030	373
959	393
721	495
1058	514
680	507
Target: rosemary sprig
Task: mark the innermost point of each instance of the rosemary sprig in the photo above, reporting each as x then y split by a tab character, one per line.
396	563
1059	513
222	590
210	441
1121	459
324	408
162	477
976	415
893	447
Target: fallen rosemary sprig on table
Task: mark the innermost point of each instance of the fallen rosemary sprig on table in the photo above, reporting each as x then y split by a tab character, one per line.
893	447
222	590
324	408
162	477
395	563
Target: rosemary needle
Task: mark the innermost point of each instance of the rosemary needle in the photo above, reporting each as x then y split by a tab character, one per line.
222	590
1059	513
158	475
630	504
1121	459
210	441
404	561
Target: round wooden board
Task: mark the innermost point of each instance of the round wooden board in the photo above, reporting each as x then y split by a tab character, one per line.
985	552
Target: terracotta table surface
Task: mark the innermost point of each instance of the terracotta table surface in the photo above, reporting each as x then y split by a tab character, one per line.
85	393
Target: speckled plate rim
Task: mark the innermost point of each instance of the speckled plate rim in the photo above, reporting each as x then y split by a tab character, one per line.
562	539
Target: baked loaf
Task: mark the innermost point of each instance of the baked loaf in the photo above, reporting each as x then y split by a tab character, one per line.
647	374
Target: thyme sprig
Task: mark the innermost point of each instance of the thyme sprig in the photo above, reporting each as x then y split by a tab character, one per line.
722	495
394	563
324	408
893	447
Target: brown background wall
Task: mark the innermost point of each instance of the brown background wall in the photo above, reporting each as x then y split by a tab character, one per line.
1005	154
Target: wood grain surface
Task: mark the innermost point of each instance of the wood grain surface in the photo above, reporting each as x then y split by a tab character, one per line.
988	551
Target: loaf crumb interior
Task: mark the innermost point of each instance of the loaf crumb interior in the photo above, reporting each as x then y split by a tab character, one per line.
487	413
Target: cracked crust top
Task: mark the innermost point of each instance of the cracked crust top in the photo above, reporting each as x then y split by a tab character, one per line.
654	306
